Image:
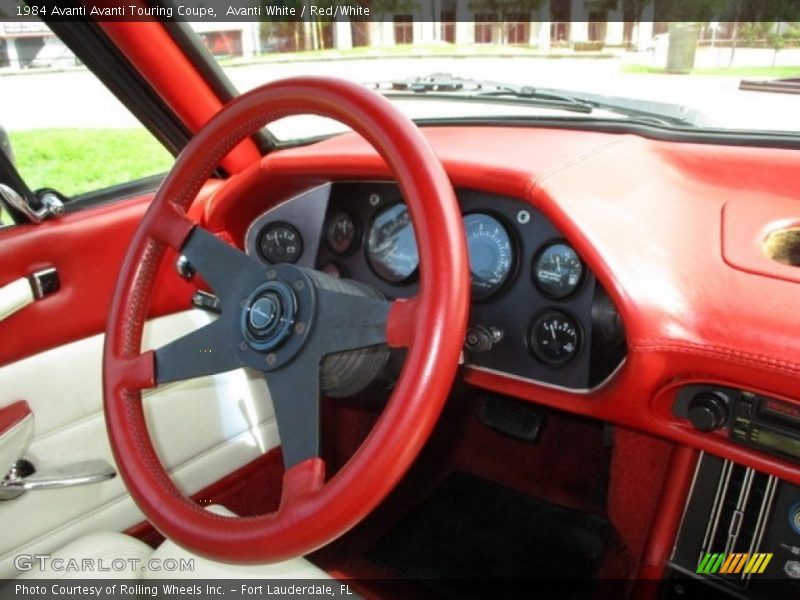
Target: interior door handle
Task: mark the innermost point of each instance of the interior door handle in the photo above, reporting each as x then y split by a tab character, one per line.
16	434
20	293
24	477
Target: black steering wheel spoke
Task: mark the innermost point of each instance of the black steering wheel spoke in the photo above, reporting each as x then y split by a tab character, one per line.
205	351
296	398
351	322
226	269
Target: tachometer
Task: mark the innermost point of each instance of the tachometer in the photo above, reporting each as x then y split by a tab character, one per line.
490	254
391	245
557	271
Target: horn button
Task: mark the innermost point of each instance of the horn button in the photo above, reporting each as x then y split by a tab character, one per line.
272	313
270	316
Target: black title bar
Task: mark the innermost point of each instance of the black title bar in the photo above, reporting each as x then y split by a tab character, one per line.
499	11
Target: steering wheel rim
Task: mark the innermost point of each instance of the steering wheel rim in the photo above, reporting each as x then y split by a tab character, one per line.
312	512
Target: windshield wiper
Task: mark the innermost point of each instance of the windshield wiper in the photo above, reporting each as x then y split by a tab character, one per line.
444	85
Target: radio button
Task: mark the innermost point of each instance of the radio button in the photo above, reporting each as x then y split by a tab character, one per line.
747	408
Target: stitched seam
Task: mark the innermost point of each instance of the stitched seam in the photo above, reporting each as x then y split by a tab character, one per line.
582	157
724	350
113	501
719	352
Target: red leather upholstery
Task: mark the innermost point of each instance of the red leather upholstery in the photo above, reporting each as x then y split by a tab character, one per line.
86	248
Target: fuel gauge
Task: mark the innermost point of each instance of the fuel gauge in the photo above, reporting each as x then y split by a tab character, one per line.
557	270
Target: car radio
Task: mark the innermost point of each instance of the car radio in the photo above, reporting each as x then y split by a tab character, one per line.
753	420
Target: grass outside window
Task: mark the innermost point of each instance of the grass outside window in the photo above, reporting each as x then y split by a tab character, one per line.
77	161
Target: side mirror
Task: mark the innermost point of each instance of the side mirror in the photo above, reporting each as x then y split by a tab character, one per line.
5	145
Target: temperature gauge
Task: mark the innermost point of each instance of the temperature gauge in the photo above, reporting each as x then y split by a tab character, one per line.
554	337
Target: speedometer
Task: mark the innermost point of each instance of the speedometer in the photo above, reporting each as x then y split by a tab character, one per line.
491	255
391	245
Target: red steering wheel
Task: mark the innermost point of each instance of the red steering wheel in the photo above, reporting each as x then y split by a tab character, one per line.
284	320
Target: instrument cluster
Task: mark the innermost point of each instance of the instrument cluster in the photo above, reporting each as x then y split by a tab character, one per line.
537	312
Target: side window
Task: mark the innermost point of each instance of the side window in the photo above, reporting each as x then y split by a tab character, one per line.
65	129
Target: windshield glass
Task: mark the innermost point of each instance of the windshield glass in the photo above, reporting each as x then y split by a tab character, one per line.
714	75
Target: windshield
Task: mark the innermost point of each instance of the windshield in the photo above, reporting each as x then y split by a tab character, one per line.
702	75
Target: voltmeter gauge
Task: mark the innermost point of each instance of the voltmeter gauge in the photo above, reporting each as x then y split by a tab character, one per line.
280	243
557	270
554	337
340	233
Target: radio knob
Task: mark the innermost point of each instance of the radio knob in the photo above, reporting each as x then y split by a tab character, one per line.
707	411
792	569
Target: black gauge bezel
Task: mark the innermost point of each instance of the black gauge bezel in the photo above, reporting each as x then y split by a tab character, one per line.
512	274
538	254
272	226
537	352
413	276
357	234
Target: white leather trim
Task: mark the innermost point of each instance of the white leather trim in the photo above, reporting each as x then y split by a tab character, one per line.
203	429
103	547
14	442
15	296
296	568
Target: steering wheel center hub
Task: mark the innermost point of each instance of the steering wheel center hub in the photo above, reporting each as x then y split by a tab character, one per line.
269	315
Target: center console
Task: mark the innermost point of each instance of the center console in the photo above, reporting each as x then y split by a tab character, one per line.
740	533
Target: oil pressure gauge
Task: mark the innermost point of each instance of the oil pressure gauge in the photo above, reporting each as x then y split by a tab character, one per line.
340	233
554	337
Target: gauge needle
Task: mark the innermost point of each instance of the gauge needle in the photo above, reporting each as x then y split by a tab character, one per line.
553	330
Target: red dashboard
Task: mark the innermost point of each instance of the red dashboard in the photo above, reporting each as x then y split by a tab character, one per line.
661	226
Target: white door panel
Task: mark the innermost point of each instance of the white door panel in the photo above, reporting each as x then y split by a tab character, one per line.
202	429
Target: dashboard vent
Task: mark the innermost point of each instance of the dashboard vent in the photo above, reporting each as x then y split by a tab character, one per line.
739	513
